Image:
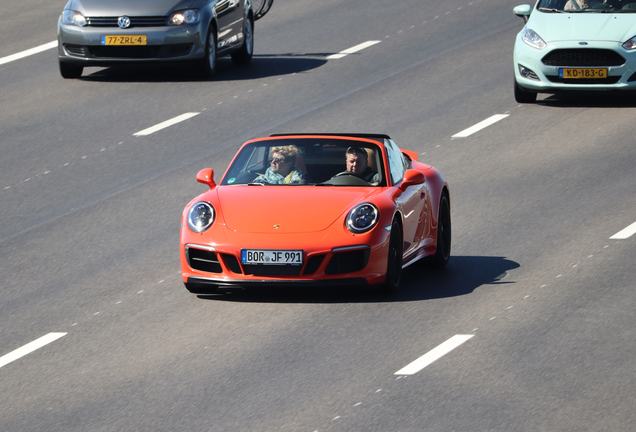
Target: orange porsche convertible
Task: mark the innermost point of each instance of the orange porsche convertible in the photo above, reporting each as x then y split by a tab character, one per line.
315	209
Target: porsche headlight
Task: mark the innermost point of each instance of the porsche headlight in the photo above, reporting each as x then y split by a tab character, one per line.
532	39
630	44
190	16
362	218
71	17
200	216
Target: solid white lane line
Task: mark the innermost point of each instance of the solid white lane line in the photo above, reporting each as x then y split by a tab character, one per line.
28	52
30	347
433	355
166	124
352	50
626	233
481	125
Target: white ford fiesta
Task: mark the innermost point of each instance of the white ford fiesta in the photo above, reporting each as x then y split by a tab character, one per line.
575	45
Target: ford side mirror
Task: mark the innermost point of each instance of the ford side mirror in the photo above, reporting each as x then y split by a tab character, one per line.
523	11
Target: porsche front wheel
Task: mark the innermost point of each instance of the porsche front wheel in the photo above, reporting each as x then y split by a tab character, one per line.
442	250
394	259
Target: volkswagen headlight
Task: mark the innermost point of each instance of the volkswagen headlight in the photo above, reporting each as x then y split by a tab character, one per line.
71	17
200	216
190	16
362	218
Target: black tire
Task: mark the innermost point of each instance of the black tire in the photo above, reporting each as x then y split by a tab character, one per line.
69	71
394	259
257	6
443	247
244	54
261	7
523	96
208	64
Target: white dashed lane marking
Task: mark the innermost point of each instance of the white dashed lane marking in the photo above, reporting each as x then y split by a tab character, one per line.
166	124
626	233
38	49
29	348
353	50
481	125
434	354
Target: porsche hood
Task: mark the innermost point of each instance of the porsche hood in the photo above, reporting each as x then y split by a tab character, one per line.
287	209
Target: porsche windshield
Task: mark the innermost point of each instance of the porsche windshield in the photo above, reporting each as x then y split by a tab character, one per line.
307	161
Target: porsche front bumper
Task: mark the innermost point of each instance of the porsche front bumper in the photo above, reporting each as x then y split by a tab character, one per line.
363	261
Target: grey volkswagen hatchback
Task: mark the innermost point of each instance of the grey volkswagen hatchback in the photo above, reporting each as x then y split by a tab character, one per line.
108	33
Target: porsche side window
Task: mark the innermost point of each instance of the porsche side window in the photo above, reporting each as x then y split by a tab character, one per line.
397	164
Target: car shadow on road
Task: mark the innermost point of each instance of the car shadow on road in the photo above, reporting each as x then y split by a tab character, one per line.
616	99
461	276
262	66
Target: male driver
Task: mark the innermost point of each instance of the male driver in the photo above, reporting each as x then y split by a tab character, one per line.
357	163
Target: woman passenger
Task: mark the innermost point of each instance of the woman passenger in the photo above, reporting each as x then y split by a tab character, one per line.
282	168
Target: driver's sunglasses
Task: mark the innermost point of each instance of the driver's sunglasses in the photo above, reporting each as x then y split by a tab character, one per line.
276	160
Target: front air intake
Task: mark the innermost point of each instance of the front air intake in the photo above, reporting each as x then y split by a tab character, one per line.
203	260
583	57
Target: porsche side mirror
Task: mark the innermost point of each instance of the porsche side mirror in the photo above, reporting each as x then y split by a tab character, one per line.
412	177
523	11
206	176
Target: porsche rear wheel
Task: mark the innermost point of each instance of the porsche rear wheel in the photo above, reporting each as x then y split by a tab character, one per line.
443	248
394	259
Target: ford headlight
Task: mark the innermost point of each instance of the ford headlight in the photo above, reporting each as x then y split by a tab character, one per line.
630	44
362	218
200	216
532	39
190	16
71	17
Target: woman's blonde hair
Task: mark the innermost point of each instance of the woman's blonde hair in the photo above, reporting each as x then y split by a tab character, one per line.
288	152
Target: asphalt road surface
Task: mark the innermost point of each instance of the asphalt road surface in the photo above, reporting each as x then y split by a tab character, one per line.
535	309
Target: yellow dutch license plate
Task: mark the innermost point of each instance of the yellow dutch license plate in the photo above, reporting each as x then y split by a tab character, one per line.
124	40
584	73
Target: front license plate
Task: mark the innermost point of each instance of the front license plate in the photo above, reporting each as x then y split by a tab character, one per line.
272	257
124	40
583	73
